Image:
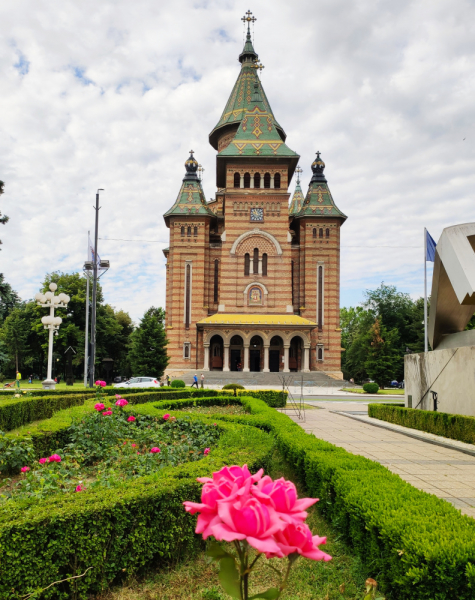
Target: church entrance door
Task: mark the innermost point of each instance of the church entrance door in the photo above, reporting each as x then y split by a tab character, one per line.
274	356
235	360
255	360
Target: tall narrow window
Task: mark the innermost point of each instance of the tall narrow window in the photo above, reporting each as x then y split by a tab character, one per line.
292	279
186	350
277	180
247	264
320	353
237	180
267	181
247	180
216	269
264	264
182	232
195	231
328	233
257	180
188	232
320	298
255	261
314	232
187	295
320	233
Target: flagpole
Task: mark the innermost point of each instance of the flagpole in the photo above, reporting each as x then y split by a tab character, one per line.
86	346
426	348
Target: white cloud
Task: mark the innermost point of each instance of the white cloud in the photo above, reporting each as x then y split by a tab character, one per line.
114	94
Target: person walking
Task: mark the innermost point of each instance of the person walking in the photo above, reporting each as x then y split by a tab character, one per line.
168	380
195	381
30	379
18	379
202	381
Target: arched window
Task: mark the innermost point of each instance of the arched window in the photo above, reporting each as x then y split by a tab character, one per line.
257	180
267	181
328	233
320	353
216	271
195	231
264	264
277	180
247	180
182	231
320	232
314	232
255	261
237	180
188	232
247	264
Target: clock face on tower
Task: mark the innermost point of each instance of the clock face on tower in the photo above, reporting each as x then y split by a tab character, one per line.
257	214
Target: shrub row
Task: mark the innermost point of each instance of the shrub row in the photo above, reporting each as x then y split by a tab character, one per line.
455	427
274	398
119	532
418	546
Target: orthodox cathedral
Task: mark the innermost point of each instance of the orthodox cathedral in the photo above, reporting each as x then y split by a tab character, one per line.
253	282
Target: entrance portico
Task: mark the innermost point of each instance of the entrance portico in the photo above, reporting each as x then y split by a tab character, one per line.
257	342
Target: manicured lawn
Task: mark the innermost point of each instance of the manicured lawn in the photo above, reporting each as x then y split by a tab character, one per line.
231	409
340	579
37	385
391	392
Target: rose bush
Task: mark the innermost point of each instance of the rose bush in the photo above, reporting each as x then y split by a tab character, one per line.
254	511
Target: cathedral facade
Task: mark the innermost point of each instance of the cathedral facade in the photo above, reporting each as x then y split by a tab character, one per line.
253	282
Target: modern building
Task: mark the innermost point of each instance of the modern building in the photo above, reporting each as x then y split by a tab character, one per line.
253	284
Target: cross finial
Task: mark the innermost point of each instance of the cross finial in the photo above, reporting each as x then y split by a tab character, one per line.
318	154
298	170
250	19
192	152
259	66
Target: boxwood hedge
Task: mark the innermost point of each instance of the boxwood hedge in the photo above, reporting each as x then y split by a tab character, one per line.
455	427
119	532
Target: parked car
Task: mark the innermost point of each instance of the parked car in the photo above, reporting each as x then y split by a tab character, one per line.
394	384
139	382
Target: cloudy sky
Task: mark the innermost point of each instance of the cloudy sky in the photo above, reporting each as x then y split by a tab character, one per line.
113	94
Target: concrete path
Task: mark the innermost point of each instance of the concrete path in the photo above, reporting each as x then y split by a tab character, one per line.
447	473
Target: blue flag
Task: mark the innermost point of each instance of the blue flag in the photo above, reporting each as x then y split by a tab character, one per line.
430	247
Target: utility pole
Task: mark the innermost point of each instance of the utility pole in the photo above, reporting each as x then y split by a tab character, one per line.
92	357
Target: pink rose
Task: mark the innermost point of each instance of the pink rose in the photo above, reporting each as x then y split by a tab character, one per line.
297	537
99	406
155	450
54	458
207	451
100	383
248	519
131	419
214	424
282	495
121	402
172	418
25	469
166	417
107	413
134	445
118	396
79	488
42	461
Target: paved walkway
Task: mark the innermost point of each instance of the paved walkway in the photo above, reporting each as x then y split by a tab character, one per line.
446	473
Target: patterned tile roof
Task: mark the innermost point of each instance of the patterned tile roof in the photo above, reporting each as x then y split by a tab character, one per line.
232	319
297	200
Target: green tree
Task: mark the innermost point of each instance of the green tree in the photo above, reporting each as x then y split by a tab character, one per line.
15	331
382	356
4	219
148	352
8	298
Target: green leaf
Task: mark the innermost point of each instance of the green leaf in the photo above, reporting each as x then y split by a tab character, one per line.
269	594
229	577
217	552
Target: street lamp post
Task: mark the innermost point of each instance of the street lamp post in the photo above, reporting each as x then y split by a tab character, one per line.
49	300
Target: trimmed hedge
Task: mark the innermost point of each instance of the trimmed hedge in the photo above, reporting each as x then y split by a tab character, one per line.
455	427
120	532
274	398
371	388
16	412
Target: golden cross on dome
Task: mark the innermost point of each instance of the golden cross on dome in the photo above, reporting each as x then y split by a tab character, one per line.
259	66
247	17
298	170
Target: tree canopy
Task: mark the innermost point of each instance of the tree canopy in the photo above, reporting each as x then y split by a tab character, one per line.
148	353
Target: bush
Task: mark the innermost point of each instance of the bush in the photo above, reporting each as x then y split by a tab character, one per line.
120	531
455	427
274	398
233	386
371	388
177	383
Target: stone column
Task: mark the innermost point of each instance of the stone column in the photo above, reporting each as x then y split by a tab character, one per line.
259	266
252	180
242	181
306	366
262	181
266	360
245	366
226	358
272	181
286	359
206	365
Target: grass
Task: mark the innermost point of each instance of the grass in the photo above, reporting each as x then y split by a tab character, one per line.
231	409
36	385
195	579
393	392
